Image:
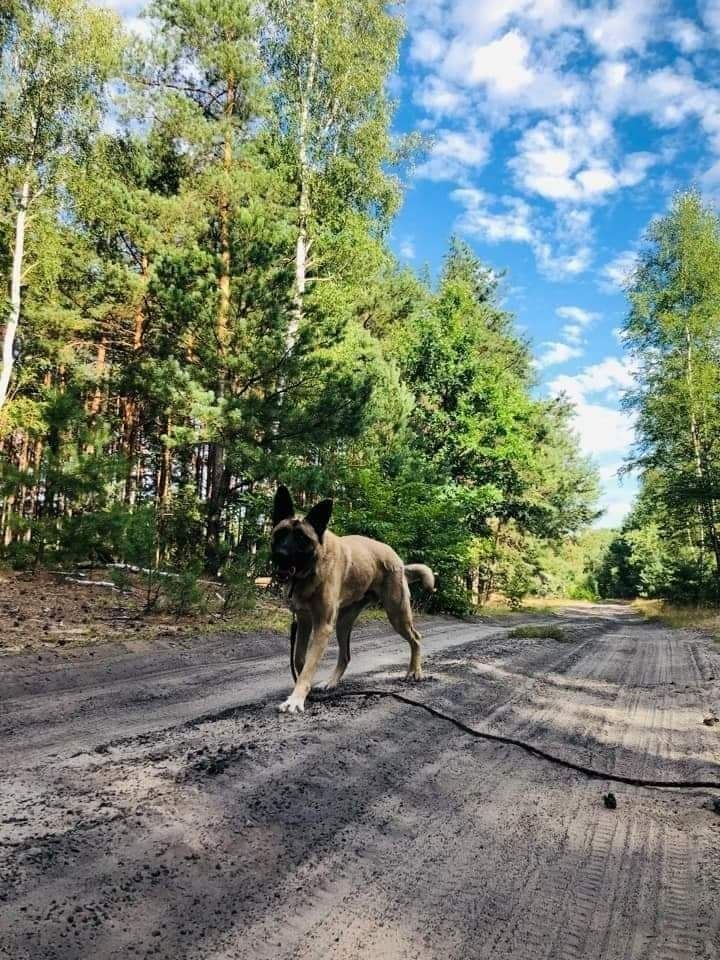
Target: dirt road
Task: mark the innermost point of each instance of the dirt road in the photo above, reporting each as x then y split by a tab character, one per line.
154	804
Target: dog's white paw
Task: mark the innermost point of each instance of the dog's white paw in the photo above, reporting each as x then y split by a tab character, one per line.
415	675
293	704
327	685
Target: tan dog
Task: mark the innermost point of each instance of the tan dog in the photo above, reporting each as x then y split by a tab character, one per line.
329	581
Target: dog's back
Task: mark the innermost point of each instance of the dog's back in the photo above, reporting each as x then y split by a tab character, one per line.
370	561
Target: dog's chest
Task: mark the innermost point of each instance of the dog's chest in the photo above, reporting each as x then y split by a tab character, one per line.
294	598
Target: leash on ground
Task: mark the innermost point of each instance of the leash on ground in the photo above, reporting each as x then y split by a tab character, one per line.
534	751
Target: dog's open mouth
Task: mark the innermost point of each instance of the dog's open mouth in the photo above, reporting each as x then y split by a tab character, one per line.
284	575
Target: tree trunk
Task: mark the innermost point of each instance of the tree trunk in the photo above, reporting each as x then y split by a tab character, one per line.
8	358
163	484
217	485
304	207
707	506
96	403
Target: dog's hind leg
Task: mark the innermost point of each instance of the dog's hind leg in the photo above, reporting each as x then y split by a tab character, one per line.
399	610
346	620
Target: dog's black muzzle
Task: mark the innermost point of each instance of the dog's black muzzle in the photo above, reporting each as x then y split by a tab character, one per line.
292	567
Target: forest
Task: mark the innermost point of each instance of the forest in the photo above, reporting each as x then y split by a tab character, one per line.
669	546
202	301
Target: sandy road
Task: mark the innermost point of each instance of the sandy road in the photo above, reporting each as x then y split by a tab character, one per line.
154	804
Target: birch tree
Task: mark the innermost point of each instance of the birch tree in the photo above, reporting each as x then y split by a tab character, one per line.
673	332
56	58
329	62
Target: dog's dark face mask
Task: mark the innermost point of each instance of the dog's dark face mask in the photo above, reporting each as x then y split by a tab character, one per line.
295	543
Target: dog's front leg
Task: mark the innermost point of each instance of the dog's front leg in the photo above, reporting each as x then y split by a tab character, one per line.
321	634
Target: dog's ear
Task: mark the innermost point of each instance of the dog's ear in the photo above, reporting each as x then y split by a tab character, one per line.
283	507
319	517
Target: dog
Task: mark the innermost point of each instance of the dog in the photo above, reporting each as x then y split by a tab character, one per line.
328	581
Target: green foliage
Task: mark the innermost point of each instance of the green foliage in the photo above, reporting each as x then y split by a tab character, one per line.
238	580
183	592
670	546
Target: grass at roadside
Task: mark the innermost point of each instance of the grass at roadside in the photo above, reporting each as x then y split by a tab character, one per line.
540	633
273	615
540	605
680	618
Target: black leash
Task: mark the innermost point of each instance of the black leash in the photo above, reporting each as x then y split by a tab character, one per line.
293	636
293	639
589	772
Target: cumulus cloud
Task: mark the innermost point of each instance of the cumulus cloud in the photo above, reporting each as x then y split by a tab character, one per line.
440	98
615	508
686	34
616	274
455	154
625	25
427	46
710	12
579	321
407	248
571	159
512	219
594	392
606	380
579	316
525	67
126	8
556	353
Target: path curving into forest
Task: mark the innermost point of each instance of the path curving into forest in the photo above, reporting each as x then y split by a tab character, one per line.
153	803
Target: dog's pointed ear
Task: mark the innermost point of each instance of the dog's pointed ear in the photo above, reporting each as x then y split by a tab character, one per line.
319	517
283	507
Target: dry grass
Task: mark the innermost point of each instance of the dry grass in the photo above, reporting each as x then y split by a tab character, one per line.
540	633
680	618
270	614
500	608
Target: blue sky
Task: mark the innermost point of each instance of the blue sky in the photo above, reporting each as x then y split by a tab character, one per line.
559	128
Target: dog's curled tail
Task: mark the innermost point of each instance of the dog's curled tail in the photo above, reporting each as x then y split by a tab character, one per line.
418	572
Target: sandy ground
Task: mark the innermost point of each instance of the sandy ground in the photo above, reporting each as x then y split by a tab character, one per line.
154	804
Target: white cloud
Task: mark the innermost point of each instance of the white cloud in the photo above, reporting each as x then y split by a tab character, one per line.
511	222
579	316
616	274
407	248
502	65
626	25
710	12
440	98
557	353
454	154
427	46
573	332
511	219
615	508
126	8
579	319
686	35
570	159
594	392
603	429
619	335
606	380
711	178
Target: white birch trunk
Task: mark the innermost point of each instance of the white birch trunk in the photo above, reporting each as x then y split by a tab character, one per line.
15	294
